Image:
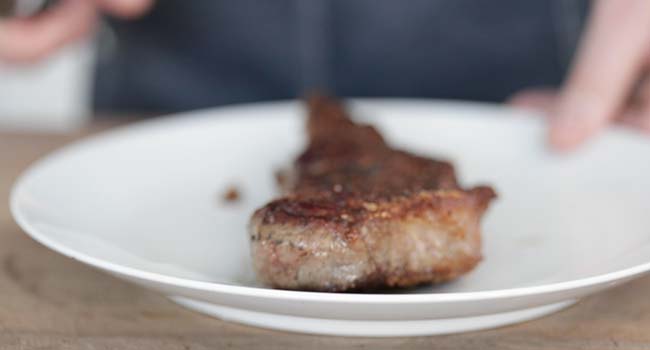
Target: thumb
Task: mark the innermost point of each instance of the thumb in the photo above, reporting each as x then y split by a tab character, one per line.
607	63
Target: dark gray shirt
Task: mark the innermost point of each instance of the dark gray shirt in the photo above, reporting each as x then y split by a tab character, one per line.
199	53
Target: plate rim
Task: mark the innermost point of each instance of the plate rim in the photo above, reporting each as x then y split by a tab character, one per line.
280	294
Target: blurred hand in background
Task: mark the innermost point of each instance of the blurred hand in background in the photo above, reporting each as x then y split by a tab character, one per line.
32	38
608	80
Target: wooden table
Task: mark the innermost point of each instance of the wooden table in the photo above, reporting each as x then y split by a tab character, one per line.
49	301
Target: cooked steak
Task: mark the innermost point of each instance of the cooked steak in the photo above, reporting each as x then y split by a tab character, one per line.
358	215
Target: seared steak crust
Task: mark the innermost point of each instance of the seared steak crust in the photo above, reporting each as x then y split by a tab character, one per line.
358	214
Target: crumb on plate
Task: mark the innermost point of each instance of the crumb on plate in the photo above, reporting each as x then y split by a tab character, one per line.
231	195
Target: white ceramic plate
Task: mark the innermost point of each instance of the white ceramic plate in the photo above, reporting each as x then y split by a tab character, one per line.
143	203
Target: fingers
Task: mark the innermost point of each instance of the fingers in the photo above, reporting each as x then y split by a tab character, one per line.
638	113
538	99
636	118
635	114
608	60
125	8
28	39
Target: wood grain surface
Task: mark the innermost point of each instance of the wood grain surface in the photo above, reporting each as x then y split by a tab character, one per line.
48	301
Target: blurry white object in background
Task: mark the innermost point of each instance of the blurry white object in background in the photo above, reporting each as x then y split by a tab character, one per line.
52	95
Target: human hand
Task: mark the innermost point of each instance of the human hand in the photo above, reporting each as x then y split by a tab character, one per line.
30	39
607	80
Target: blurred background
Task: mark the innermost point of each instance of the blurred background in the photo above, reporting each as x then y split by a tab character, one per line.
50	95
53	94
183	55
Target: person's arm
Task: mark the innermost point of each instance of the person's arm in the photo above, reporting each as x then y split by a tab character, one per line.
29	39
602	86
